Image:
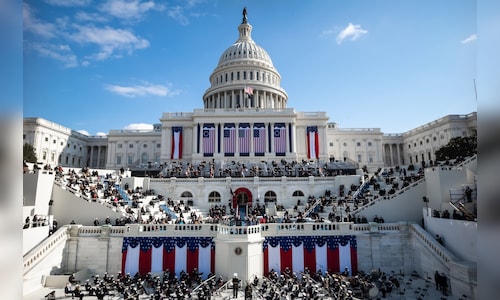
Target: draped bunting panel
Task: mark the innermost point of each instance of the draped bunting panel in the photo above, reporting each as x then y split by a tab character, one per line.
325	253
156	254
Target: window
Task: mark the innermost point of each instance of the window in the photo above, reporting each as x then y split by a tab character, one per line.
369	144
226	77
359	158
237	75
62	143
69	145
186	195
131	145
331	144
270	196
421	143
414	144
257	75
244	74
46	139
214	197
434	138
251	75
130	159
158	145
44	156
427	141
52	156
145	145
24	137
74	147
358	144
232	76
118	160
370	158
442	136
298	194
409	146
119	146
345	144
53	141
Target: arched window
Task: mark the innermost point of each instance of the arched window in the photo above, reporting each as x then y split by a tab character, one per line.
214	197
270	196
298	194
187	198
186	194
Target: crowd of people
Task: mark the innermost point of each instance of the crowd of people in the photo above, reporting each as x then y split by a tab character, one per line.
280	168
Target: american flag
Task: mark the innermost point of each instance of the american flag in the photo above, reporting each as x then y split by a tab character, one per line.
176	143
248	90
229	139
325	253
279	138
312	142
156	254
259	138
208	139
244	138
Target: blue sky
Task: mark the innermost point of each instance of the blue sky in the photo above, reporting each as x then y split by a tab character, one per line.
391	64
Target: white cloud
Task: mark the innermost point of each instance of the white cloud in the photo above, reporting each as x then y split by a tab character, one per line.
353	32
129	9
36	26
85	132
139	126
177	13
92	17
141	90
470	38
101	134
108	39
68	3
59	52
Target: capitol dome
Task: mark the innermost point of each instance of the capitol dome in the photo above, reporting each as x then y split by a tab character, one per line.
245	77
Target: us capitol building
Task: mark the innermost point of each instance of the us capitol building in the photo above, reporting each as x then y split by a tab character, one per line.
246	118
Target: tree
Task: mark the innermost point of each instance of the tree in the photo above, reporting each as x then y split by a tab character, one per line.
29	153
458	147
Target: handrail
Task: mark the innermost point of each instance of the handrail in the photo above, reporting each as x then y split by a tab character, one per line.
310	209
39	252
388	197
202	284
439	250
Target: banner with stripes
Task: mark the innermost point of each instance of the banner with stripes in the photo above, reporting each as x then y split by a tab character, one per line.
176	143
157	254
325	253
244	139
208	139
259	139
312	142
229	139
280	139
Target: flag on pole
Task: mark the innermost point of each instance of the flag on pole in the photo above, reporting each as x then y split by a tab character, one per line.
176	143
248	90
312	142
325	253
